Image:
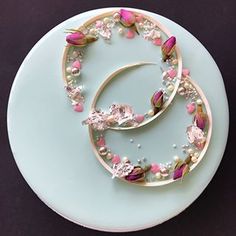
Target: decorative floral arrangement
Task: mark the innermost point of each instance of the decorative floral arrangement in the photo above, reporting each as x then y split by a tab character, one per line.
196	135
128	25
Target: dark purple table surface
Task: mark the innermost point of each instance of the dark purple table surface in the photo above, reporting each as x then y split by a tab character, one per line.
23	23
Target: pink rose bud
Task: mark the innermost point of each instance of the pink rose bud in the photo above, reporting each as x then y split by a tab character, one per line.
180	171
136	175
157	99
78	38
200	119
167	47
127	18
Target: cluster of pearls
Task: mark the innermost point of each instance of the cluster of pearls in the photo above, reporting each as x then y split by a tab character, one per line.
102	27
169	79
147	26
116	17
165	171
187	89
73	72
193	152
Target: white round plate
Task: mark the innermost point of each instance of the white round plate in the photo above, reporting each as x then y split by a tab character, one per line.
53	152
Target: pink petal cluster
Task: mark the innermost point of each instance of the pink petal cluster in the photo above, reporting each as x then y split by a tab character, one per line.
155	168
191	107
196	136
122	169
122	113
115	159
97	120
79	107
101	142
76	64
74	94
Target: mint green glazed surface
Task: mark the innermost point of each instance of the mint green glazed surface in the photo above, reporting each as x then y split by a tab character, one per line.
52	149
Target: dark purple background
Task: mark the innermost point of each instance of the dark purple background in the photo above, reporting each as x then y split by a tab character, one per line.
23	23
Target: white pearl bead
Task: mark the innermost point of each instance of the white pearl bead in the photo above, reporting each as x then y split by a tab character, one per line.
92	31
125	159
103	151
106	20
109	156
186	85
139	145
164	74
170	88
174	62
140	24
81	88
190	151
75	54
68	69
69	77
196	154
110	119
176	158
150	112
157	34
181	91
74	103
194	159
75	72
164	172
121	31
158	175
116	17
199	102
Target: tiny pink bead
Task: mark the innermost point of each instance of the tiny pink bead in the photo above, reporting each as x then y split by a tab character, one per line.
79	107
76	64
139	18
115	159
185	72
190	107
101	142
98	24
155	168
130	34
139	118
157	42
172	73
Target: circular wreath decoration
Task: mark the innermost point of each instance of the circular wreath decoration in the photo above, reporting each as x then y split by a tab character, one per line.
121	116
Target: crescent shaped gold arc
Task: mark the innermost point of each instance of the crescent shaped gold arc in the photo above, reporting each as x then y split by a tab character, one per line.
112	76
